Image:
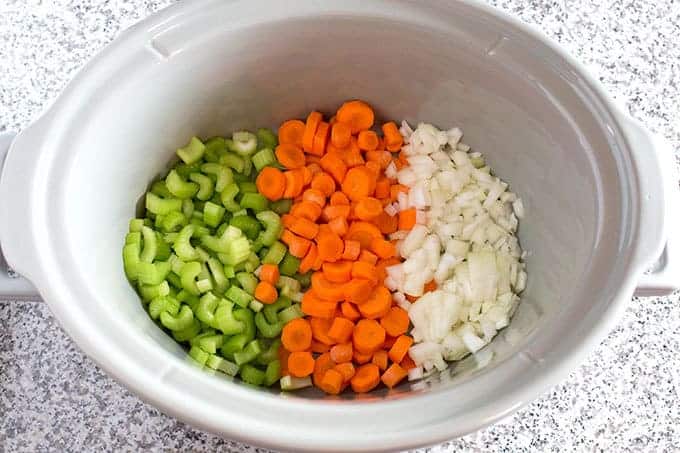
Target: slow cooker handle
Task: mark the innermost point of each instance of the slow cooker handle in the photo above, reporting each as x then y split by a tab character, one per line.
12	286
664	275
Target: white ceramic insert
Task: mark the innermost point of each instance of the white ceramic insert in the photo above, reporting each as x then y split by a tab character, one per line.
596	186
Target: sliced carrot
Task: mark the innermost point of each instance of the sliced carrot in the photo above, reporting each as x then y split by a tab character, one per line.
351	250
297	335
269	273
305	228
317	307
360	357
346	369
319	347
358	290
392	137
312	159
300	363
393	375
294	183
283	359
339	226
365	270
271	183
395	321
368	335
290	156
384	249
266	293
297	246
389	341
341	330
320	139
364	232
311	126
331	212
338	198
324	183
330	246
374	169
287	220
382	158
407	363
380	359
349	311
378	304
313	167
314	196
306	209
400	348
291	132
368	208
306	176
338	272
382	188
342	352
387	224
322	364
352	157
331	382
366	378
341	134
367	140
396	189
334	166
308	261
357	115
430	286
407	219
325	289
358	183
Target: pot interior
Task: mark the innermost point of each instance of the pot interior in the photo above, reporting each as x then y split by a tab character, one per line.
517	101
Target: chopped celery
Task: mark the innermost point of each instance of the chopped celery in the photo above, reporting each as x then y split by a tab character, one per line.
182	246
187	208
174	280
188	333
136	225
185	170
162	206
205	184
256	305
152	273
193	152
188	298
252	263
204	285
229	271
288	314
188	276
224	319
218	363
181	321
256	246
281	206
268	330
247	281
165	304
273	373
212	214
232	161
205	311
266	138
247	167
271	310
240	213
304	279
254	201
269	354
239	296
263	158
244	143
273	227
131	261
263	252
163	251
178	187
217	272
251	375
133	238
223	175
275	254
149	292
211	343
248	354
199	355
289	265
247	187
214	148
161	189
294	383
250	227
227	196
174	221
240	177
288	282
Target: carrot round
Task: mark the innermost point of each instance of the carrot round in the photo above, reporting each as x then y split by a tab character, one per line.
324	183
392	137
309	259
291	132
389	342
382	264
407	363
395	322
341	330
300	363
346	369
400	348
362	269
313	305
339	226
382	158
363	232
269	273
430	286
407	219
341	134
294	183
322	364
367	140
393	375
314	196
290	156
351	250
304	227
366	378
384	249
358	290
338	272
320	139
331	212
396	189
358	183
331	382
349	311
374	169
271	183
266	293
382	188
380	359
330	246
311	126
387	224
338	198
320	328
342	352
368	335
325	289
334	166
357	115
306	209
378	304
297	246
368	208
360	357
297	335
319	347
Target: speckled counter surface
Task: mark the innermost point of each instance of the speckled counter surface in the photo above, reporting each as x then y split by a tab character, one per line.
624	397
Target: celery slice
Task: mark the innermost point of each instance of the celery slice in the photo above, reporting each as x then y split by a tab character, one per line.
193	152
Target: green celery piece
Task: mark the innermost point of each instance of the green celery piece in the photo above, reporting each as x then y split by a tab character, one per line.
193	152
237	342
214	148
212	214
161	189
250	226
271	311
188	276
243	143
149	292
247	167
247	281
165	304
269	354
225	321
251	375
188	209
188	333
205	311
182	246
275	254
239	296
205	184
266	138
288	383
178	187
131	260
211	343
184	170
266	329
190	299
228	195
252	262
289	265
135	225
248	354
281	206
174	221
181	321
273	227
263	158
162	206
199	355
174	280
304	279
247	187
133	238
254	201
163	251
240	177
256	305
217	271
289	282
223	175
288	314
218	363
233	161
152	273
273	373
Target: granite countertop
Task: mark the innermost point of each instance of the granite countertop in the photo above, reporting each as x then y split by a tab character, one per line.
624	397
